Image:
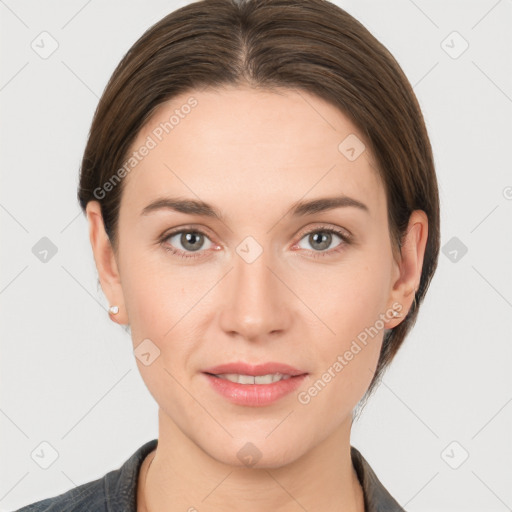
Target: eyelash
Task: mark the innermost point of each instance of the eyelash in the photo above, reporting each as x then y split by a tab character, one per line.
316	254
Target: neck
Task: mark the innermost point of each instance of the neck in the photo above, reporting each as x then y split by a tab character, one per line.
185	477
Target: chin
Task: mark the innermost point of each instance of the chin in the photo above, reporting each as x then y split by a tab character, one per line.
259	451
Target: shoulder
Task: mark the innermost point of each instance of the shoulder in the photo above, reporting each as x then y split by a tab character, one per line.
88	496
376	497
114	492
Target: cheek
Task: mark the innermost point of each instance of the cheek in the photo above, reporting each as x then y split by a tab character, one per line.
347	363
155	294
347	298
350	307
161	308
165	305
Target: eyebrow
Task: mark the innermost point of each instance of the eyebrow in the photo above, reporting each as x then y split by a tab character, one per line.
298	209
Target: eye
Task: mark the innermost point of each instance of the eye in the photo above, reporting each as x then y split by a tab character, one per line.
191	240
321	239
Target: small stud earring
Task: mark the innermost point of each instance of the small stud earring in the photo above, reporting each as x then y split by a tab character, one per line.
113	309
396	314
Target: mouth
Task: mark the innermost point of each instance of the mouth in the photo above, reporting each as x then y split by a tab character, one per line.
254	385
245	373
238	378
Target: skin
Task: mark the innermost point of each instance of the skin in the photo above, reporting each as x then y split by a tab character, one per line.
252	154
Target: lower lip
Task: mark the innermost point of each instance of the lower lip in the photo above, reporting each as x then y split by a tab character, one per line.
254	395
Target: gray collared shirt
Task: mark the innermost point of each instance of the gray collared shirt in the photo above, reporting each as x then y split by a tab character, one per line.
116	491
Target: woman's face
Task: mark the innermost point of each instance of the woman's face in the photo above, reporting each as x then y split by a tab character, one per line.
262	283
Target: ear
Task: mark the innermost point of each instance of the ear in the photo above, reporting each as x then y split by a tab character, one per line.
106	263
407	275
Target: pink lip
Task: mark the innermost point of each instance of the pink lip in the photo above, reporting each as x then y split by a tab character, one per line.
255	370
254	395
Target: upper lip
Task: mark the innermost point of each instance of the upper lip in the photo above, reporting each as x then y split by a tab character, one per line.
243	368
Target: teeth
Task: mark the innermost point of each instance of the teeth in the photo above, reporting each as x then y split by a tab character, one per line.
251	379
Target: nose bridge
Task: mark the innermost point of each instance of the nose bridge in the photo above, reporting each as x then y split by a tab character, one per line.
255	306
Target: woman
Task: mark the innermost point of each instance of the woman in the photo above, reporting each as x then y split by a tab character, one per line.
284	142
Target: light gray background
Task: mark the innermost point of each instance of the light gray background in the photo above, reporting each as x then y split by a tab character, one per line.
68	375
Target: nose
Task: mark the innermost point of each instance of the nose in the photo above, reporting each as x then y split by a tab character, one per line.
256	301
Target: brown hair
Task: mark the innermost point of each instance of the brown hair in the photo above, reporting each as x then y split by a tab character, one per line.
311	45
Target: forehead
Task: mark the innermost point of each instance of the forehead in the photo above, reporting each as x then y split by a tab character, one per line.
232	144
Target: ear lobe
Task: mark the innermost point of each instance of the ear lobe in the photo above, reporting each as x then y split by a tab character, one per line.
105	260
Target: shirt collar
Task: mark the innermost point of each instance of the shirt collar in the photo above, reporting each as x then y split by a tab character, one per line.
376	496
121	484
